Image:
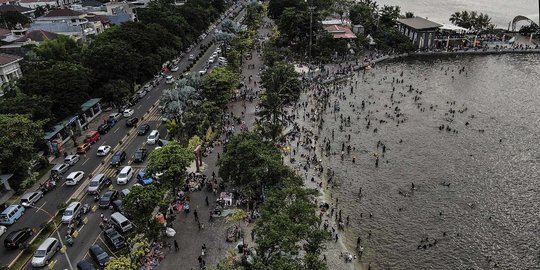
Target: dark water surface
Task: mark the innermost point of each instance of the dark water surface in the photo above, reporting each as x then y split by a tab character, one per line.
476	191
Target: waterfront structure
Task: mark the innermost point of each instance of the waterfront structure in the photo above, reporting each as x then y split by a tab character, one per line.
419	30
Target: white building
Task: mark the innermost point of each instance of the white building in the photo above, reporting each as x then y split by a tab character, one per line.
9	67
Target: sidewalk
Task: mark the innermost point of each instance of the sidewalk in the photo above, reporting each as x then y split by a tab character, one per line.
189	238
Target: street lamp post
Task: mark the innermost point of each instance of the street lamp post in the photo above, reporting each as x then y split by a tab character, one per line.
310	8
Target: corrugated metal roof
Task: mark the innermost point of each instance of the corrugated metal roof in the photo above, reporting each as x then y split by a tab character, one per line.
419	23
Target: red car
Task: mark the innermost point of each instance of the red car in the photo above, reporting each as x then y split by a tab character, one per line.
92	136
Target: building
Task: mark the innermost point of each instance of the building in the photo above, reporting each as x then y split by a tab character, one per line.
419	30
9	67
33	4
65	22
115	12
340	31
29	12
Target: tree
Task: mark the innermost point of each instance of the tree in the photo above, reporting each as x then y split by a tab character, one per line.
65	83
139	205
218	86
37	108
12	18
251	164
173	160
63	48
409	14
18	136
114	91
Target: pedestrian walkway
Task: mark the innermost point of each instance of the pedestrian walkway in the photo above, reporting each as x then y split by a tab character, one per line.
189	237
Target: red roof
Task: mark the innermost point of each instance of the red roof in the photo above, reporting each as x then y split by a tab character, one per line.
339	31
8	58
38	35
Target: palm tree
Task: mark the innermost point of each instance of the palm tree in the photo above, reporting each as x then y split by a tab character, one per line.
456	18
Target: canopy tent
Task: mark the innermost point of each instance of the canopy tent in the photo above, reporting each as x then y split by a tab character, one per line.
454	28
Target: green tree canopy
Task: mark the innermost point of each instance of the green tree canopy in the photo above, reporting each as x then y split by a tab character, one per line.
63	48
219	84
18	136
139	205
173	160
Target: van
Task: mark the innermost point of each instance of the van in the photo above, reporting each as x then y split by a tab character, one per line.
30	198
92	136
153	137
45	252
60	168
71	212
125	175
96	184
121	222
11	214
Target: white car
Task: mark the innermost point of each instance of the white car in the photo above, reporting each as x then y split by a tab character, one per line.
125	175
214	54
153	137
174	69
3	230
31	198
103	150
211	60
71	159
74	178
141	93
128	112
115	116
203	71
169	80
218	50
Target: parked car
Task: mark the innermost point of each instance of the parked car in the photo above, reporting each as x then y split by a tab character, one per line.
131	122
71	159
128	112
115	116
169	80
203	71
143	129
134	99
114	238
148	87
18	238
103	150
59	169
45	251
30	198
191	57
74	178
118	158
153	137
99	255
92	136
107	198
140	155
97	183
83	148
174	69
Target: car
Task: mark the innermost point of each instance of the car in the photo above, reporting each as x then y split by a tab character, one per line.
153	137
174	69
30	198
83	148
103	150
124	192
140	155
191	57
218	50
103	129
118	158
133	100
143	129
211	60
17	239
131	122
3	230
214	54
92	136
125	175
71	159
169	80
111	122
128	112
85	265
60	169
148	87
97	183
74	178
115	116
141	93
107	198
114	238
99	255
203	71
45	251
71	212
117	206
143	179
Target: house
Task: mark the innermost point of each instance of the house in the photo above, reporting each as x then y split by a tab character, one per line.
419	30
98	22
9	67
115	12
33	4
65	22
340	31
28	12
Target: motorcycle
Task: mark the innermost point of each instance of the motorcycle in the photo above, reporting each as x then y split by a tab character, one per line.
69	240
85	208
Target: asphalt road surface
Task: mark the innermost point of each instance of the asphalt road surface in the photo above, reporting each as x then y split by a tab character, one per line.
89	233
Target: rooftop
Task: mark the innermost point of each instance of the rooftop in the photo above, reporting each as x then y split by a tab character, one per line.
8	59
38	35
62	13
91	3
6	8
419	23
339	31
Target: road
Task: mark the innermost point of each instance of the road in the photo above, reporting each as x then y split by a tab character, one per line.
89	233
